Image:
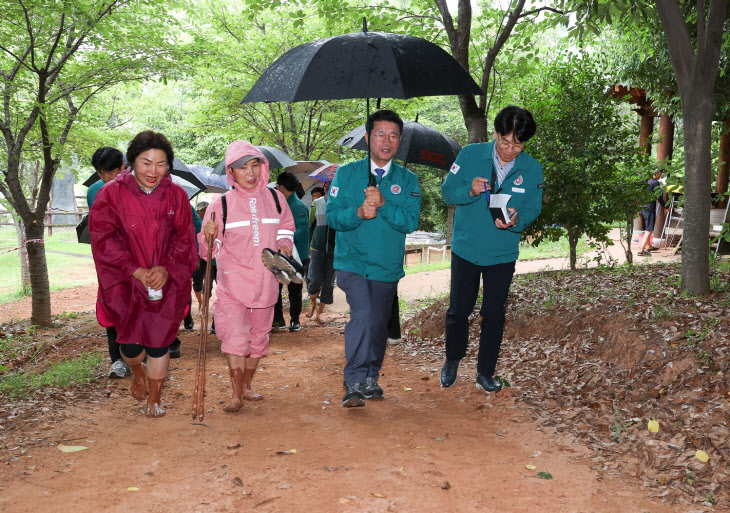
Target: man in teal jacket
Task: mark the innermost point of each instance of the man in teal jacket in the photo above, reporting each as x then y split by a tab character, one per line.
484	247
287	184
373	203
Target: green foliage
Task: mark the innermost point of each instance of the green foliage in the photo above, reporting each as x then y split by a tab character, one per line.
594	174
60	375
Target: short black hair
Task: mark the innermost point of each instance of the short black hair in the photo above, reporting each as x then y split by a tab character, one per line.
383	115
107	158
516	121
288	180
317	189
149	140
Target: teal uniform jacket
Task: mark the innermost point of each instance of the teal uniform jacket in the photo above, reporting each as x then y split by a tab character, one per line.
475	237
373	248
91	192
197	224
301	223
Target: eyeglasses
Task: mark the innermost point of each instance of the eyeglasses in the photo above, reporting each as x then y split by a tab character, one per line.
506	145
382	135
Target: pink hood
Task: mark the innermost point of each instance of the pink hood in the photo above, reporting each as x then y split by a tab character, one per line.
240	148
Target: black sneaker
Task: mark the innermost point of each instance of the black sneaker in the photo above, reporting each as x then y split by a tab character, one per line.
188	322
295	326
448	373
354	396
278	324
175	349
372	390
488	384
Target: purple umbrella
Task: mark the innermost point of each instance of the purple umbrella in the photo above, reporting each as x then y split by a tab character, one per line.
325	173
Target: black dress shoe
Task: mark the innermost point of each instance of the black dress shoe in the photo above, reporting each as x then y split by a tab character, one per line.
354	395
488	384
175	349
188	322
372	390
448	373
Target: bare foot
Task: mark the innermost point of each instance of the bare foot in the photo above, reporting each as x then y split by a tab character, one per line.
139	385
236	402
309	313
154	401
250	395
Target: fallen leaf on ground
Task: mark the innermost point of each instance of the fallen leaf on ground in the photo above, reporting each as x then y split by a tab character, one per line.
653	426
544	475
378	495
702	456
71	448
132	489
237	446
530	467
237	481
285	453
407	389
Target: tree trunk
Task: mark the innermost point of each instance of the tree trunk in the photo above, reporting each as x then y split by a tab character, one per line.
629	235
41	301
573	235
697	112
474	120
23	255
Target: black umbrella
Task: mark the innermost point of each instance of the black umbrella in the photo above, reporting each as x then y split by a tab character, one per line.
277	158
82	231
362	65
419	145
214	184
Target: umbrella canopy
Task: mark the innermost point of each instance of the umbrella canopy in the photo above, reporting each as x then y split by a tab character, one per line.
190	188
277	158
419	145
325	173
82	231
303	168
362	65
214	184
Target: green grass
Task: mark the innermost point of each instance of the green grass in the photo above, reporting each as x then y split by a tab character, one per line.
62	241
59	375
548	249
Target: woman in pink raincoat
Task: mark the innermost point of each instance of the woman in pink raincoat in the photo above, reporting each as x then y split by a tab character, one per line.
143	243
246	290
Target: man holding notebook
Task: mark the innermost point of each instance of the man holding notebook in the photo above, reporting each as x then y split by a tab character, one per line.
485	244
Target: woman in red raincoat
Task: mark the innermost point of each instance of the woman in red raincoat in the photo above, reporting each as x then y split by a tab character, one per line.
143	243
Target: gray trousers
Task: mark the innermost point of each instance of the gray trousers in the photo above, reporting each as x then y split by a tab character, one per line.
366	334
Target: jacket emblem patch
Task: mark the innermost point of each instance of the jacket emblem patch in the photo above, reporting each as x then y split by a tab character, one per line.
454	168
395	189
334	191
519	180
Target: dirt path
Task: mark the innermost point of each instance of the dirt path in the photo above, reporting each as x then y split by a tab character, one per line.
422	449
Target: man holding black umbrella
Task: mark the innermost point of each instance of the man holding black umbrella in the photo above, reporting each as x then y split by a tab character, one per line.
373	204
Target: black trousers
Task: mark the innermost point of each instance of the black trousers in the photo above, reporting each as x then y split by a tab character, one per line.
465	278
111	337
295	302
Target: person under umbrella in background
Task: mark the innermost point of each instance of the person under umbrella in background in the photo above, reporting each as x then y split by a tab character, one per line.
108	163
199	273
248	218
371	222
287	184
321	273
142	241
484	248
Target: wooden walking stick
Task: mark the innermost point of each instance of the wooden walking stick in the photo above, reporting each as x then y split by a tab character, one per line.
199	390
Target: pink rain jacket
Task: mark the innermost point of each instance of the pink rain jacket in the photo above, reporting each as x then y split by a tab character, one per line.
126	226
252	225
